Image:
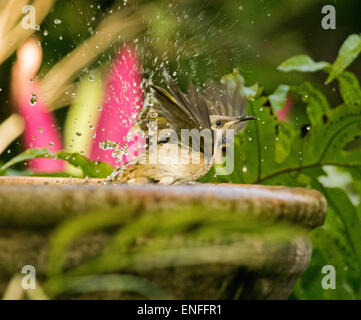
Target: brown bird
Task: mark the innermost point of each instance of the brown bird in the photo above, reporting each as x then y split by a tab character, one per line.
185	132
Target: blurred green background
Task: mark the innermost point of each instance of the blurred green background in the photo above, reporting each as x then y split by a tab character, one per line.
202	40
199	41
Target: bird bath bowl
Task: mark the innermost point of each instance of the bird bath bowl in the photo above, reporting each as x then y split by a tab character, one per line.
254	266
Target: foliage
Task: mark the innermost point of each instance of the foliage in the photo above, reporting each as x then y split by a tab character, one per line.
348	53
158	239
89	168
279	97
301	63
286	153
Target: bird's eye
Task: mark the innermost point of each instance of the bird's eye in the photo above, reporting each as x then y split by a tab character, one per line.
219	123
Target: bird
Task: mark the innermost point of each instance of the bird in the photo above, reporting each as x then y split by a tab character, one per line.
204	117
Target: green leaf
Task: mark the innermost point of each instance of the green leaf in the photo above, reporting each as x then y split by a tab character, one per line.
316	103
349	51
338	200
257	142
343	125
285	137
27	155
309	285
349	88
112	282
279	97
90	169
302	63
333	244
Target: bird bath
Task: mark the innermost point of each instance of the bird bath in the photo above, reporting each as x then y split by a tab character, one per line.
31	208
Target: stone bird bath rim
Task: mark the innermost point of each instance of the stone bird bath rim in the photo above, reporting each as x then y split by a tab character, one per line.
265	270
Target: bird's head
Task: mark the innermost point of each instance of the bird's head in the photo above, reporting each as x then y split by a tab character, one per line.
236	123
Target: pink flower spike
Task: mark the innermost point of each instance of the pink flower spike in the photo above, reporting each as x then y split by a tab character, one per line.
40	126
121	107
285	112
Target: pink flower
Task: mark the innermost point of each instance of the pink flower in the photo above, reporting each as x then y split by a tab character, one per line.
40	124
285	112
122	103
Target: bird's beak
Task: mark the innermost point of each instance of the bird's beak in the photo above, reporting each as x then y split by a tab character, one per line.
237	122
246	118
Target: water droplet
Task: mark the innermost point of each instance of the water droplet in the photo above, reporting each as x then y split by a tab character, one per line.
34	99
108	145
57	21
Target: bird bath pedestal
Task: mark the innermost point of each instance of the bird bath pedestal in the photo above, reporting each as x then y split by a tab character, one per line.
32	208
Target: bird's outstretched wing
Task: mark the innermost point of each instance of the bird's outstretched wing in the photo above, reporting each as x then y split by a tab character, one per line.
226	100
175	114
193	102
178	110
182	111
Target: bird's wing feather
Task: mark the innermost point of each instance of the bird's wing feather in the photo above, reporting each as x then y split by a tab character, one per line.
176	114
226	100
200	106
